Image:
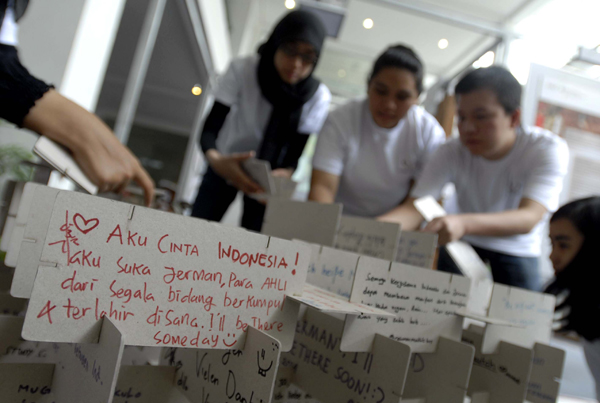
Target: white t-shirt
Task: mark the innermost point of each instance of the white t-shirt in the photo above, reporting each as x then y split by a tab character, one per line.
533	169
247	120
375	165
9	30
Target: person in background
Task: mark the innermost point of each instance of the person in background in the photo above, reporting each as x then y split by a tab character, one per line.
31	103
575	236
507	178
372	149
266	105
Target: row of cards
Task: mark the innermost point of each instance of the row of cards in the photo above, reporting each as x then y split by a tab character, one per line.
224	304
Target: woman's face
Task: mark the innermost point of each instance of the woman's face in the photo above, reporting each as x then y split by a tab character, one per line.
391	94
294	61
566	243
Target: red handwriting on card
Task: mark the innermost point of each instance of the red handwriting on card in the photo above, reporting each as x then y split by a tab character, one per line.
84	225
69	238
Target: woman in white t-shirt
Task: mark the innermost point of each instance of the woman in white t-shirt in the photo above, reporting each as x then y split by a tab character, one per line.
265	105
371	150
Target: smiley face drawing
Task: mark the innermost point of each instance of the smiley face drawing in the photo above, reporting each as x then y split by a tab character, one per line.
228	345
263	357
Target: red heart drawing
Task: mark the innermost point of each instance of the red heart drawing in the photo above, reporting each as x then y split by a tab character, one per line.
84	225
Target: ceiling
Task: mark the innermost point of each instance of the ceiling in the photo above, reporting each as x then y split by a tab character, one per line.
356	47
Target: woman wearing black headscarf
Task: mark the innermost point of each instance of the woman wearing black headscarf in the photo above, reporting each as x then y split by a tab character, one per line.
575	236
266	105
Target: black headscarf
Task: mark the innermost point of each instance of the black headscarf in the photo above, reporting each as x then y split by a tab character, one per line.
582	275
287	99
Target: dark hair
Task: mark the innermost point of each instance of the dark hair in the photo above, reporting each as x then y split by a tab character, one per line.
497	79
583	213
401	57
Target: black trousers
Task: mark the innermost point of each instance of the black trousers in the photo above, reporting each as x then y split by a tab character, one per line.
511	270
215	197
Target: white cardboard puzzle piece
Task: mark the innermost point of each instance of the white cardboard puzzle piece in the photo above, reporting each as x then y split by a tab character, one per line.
13	209
260	171
284	187
19	227
62	161
463	254
27	383
228	375
15	350
166	280
424	302
30	253
546	372
147	384
330	375
530	311
503	375
417	249
89	372
307	221
326	301
368	237
332	270
442	376
429	208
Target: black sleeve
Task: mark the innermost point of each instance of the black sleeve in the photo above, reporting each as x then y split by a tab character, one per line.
296	146
19	90
212	126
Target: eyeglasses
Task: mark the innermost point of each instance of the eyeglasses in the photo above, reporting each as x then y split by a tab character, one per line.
291	51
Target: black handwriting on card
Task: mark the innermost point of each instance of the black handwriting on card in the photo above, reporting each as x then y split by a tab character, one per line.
263	371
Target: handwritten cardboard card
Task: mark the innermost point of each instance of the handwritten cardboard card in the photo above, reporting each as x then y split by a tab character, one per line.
480	296
147	384
246	375
326	301
417	249
442	376
503	375
166	280
27	383
88	372
11	216
62	161
284	187
546	372
330	375
260	171
34	238
18	231
424	302
368	237
531	311
13	349
333	270
308	221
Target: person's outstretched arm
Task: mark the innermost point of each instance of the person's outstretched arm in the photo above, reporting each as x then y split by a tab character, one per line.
107	162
